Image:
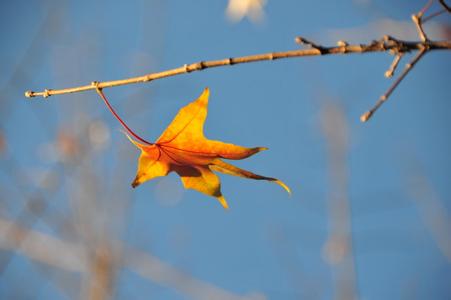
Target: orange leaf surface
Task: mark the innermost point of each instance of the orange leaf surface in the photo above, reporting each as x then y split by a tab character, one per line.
183	148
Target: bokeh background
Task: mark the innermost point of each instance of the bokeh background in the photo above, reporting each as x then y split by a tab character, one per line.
369	216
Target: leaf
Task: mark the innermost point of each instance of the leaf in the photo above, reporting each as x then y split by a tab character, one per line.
183	148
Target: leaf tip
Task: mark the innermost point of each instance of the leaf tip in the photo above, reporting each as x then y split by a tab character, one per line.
223	202
136	182
286	188
257	149
205	93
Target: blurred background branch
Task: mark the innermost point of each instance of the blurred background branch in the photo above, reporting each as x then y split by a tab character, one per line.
338	249
70	227
72	257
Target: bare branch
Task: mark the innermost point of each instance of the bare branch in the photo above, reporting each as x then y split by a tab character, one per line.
432	210
366	116
102	270
419	25
425	8
436	14
42	247
418	21
424	19
375	46
72	257
152	268
303	41
448	8
386	44
338	249
391	70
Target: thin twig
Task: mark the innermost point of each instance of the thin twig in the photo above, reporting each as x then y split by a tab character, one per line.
303	41
448	8
438	13
419	25
366	116
377	46
418	21
425	8
391	70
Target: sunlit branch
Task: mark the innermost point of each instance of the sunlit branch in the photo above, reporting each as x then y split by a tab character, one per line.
385	44
365	117
418	19
375	46
391	70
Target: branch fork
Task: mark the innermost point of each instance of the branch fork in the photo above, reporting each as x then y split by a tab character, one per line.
399	51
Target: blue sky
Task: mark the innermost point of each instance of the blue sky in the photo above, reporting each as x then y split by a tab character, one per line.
393	172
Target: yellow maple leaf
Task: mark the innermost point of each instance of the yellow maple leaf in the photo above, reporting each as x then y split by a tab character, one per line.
183	148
